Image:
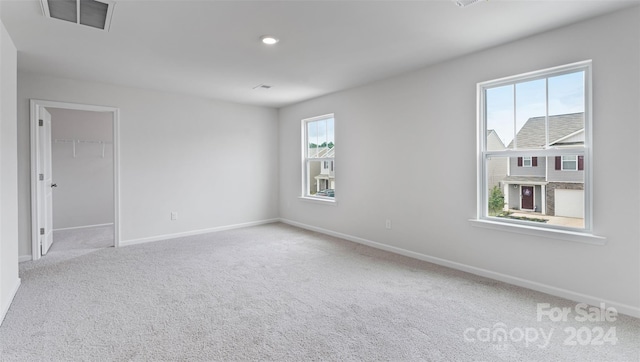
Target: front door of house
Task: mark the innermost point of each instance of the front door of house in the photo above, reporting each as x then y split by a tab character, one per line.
527	197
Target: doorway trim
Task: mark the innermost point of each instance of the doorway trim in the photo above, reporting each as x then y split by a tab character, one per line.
34	116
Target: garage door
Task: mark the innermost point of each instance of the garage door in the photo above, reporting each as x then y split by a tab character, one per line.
569	203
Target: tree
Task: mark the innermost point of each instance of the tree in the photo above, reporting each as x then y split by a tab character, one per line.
496	200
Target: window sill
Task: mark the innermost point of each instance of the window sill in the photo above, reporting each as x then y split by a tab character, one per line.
318	200
576	236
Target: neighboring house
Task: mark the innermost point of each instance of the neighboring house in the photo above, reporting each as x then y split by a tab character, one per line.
322	175
549	185
496	167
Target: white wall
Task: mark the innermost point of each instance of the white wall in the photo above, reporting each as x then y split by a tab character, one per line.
84	195
423	126
9	280
213	162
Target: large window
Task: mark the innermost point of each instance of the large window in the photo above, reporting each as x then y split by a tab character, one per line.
532	129
318	153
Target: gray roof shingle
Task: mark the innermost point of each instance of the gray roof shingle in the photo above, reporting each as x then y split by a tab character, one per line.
531	135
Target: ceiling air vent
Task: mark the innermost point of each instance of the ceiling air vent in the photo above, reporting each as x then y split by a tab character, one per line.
93	13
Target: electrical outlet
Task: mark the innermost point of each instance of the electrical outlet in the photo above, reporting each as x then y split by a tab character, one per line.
174	215
387	224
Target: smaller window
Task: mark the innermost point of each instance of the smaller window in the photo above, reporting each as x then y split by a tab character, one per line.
569	163
318	177
527	161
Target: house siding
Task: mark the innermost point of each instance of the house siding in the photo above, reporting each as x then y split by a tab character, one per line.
514	197
527	171
314	169
563	176
496	171
496	167
537	200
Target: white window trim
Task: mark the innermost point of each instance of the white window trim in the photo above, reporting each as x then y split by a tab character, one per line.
562	159
482	219
305	173
544	232
527	158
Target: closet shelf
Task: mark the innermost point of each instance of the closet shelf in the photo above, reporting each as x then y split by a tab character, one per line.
78	141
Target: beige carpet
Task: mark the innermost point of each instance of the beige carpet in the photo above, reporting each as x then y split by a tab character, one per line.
274	293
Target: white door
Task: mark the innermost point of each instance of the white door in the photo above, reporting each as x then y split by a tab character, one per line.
45	182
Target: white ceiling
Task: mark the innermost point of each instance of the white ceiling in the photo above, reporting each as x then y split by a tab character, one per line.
212	49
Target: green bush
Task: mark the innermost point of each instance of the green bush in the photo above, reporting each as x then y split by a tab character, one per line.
496	200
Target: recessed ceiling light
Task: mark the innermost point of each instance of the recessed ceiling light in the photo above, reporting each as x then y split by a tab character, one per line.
269	40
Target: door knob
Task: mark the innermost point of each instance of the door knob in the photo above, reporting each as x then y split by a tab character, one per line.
54	185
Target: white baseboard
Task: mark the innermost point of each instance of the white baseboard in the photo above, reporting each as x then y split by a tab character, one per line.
195	232
544	288
83	227
23	258
5	308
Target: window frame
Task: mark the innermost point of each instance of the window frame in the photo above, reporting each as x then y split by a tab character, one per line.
306	160
564	159
483	155
525	159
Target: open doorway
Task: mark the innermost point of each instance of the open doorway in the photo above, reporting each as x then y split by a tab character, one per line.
82	169
74	178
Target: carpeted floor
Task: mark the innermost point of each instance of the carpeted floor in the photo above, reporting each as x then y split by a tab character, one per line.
275	292
72	243
89	238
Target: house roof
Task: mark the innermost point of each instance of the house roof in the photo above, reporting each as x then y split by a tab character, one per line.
322	152
532	135
524	180
494	142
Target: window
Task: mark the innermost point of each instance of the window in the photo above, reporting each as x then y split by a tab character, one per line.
570	163
527	161
532	128
318	179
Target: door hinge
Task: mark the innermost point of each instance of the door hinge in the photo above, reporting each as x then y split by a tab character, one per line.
41	177
41	231
40	123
